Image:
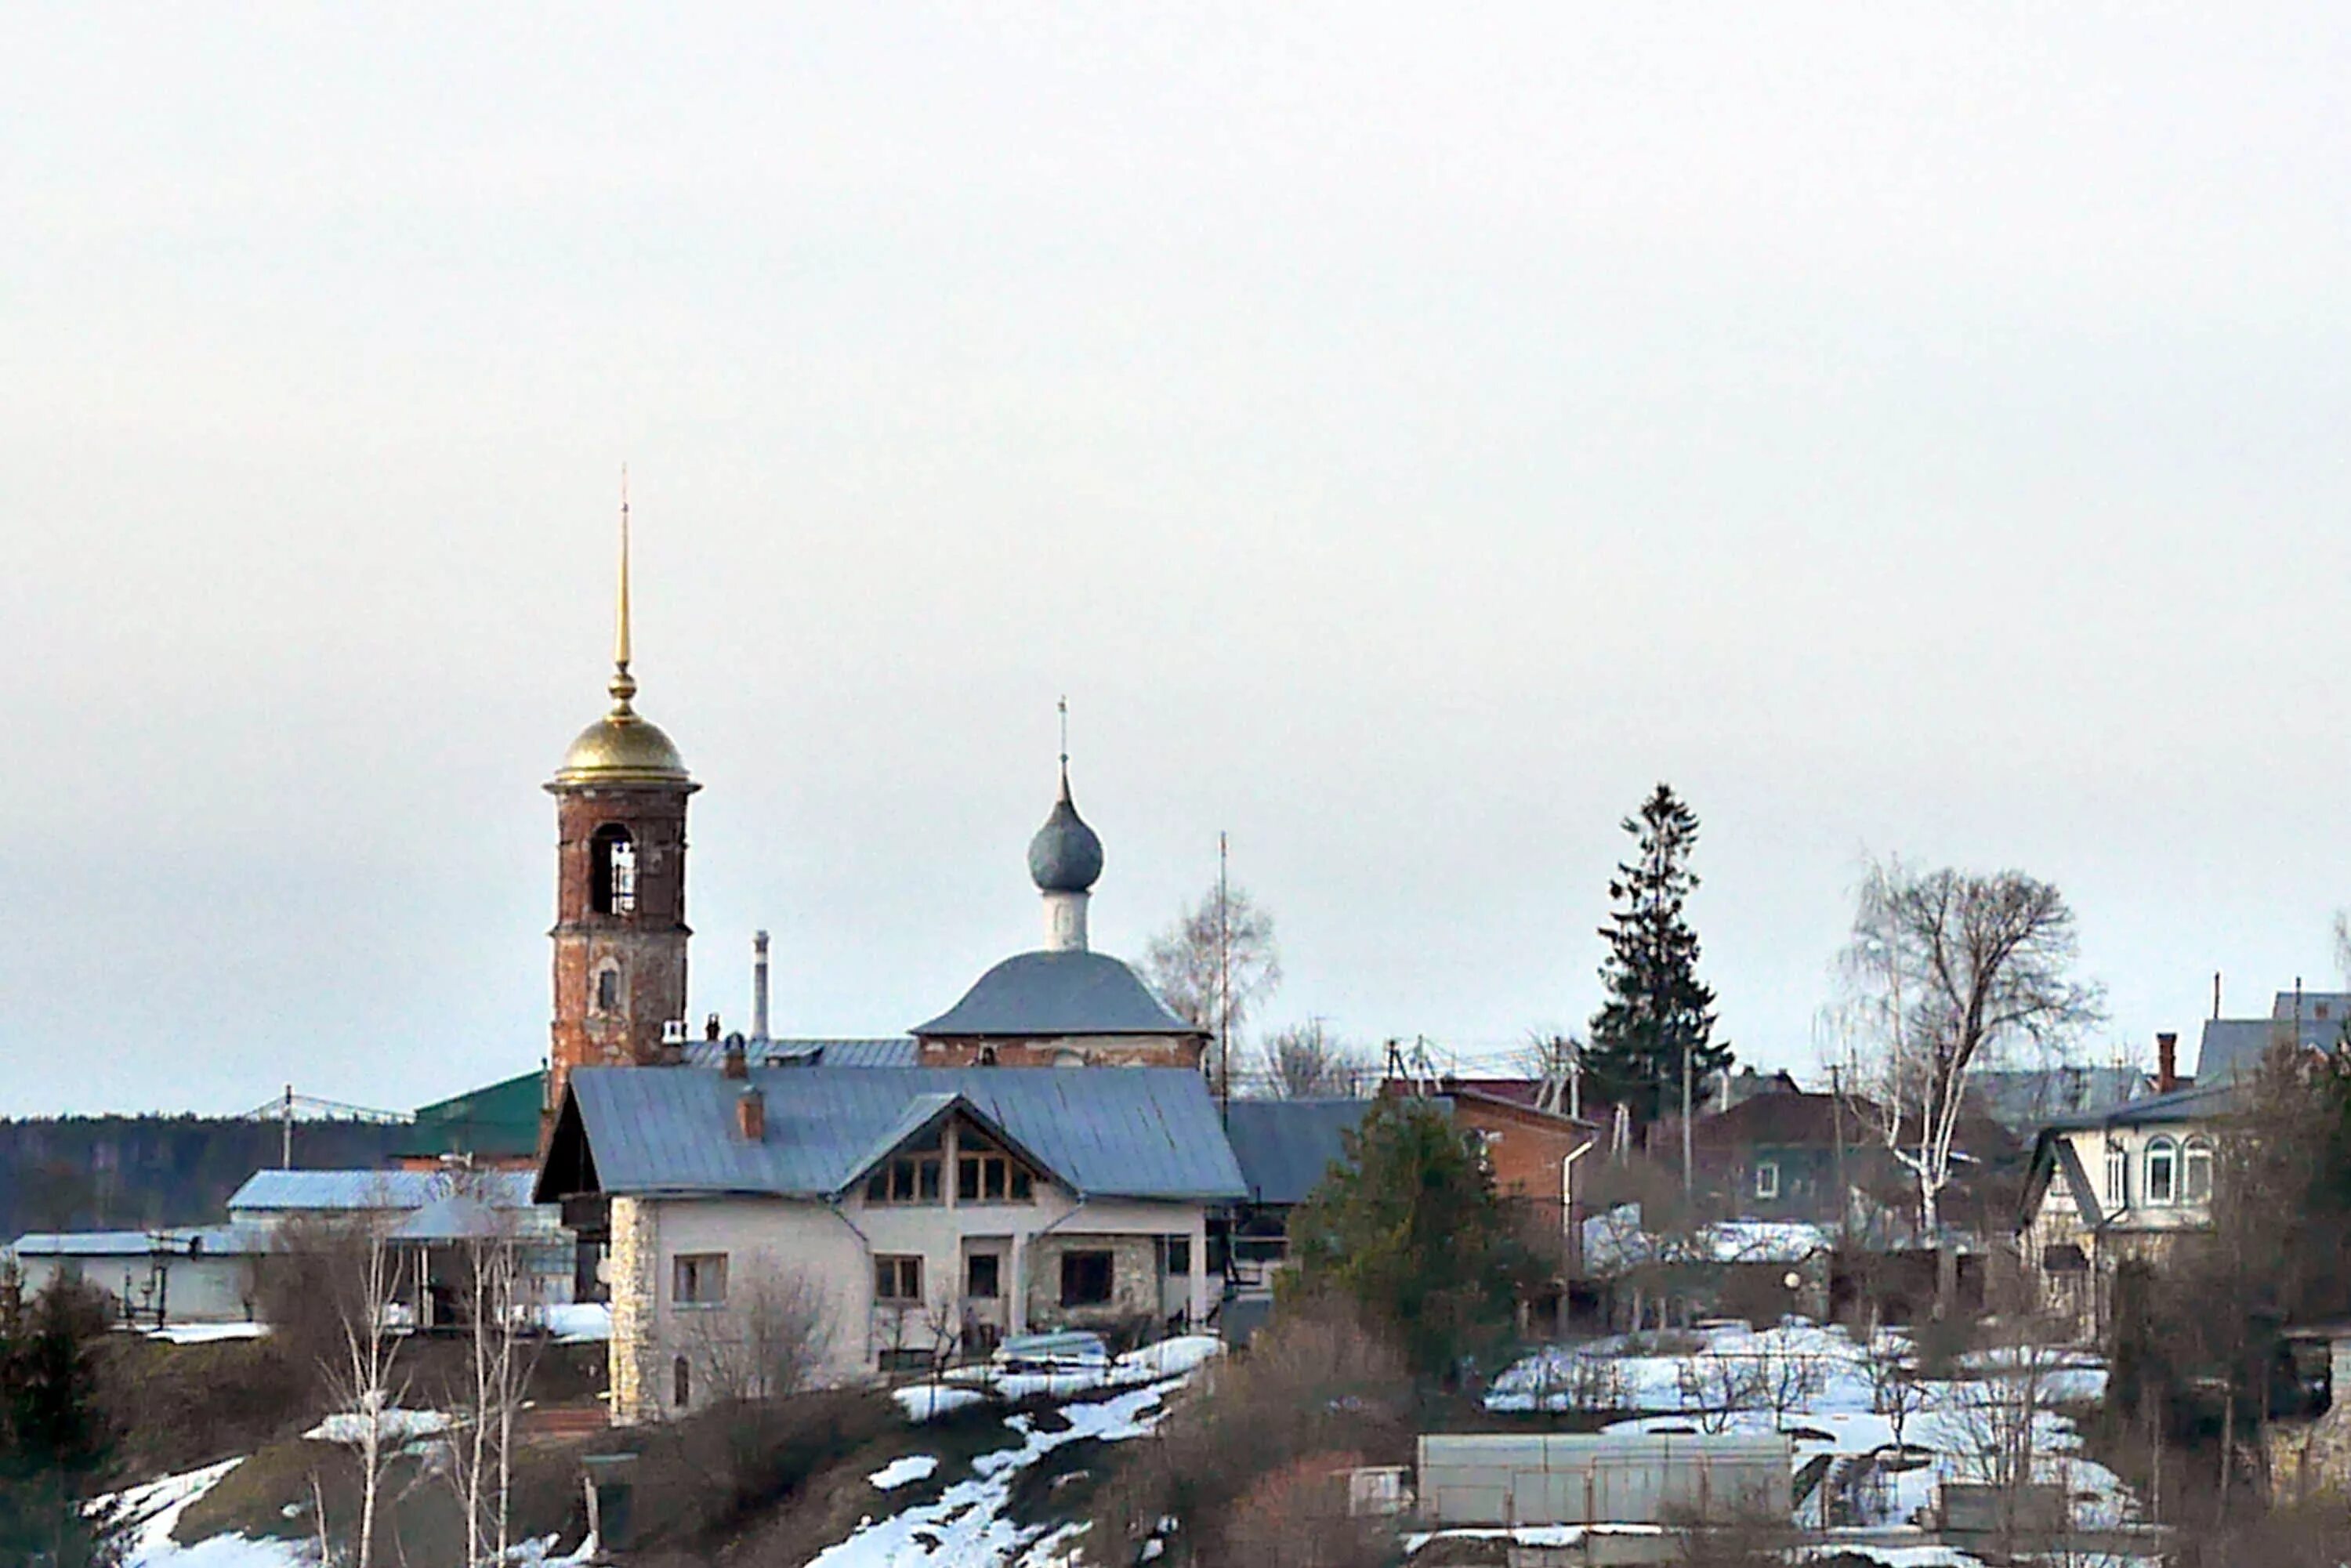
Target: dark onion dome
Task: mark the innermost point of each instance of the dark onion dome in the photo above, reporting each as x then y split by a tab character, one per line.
1065	856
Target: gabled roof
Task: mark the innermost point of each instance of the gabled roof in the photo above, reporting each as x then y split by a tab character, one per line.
2233	1047
2023	1100
1285	1146
1125	1132
923	1113
496	1119
1042	994
2198	1102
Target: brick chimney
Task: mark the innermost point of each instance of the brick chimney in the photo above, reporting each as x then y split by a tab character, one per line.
737	1060
751	1115
2166	1062
710	1027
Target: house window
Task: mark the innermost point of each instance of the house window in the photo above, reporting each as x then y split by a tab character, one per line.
2195	1172
681	1383
1179	1256
897	1279
991	1178
608	988
1767	1178
983	1276
2162	1171
1085	1278
2117	1177
909	1179
698	1279
612	871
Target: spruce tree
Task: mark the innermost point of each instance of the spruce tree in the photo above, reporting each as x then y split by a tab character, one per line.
1657	1008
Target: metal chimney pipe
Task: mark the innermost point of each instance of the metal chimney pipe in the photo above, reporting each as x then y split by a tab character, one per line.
759	985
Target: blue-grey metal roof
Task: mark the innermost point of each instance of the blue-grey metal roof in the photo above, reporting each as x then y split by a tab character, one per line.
2199	1101
2023	1101
1045	995
1284	1147
347	1191
1126	1132
897	1051
189	1241
2234	1046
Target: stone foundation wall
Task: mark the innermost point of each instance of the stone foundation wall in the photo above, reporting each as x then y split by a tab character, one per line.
633	1273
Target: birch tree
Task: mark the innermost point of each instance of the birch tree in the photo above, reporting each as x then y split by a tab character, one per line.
502	1300
1944	970
359	1376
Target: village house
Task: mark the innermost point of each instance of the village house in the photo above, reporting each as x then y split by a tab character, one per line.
2110	1186
913	1214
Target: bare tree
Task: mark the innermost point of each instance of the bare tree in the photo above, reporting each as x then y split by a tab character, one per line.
1216	962
366	1278
1945	968
1895	1390
501	1301
771	1338
1307	1061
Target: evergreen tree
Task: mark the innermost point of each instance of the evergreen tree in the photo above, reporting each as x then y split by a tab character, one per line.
53	1437
1657	1010
1408	1226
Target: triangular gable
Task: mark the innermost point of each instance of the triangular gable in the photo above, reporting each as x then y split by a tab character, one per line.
922	1114
2054	1158
570	1169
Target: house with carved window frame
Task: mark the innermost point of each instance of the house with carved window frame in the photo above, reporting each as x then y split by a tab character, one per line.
2110	1186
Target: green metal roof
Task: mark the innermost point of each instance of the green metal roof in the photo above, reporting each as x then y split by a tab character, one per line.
498	1119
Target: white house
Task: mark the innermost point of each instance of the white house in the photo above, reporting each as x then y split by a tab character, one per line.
915	1212
2108	1187
182	1274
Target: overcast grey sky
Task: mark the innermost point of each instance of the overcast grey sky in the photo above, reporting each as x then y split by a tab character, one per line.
1407	434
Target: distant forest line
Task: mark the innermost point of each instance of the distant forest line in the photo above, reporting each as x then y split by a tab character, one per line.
121	1173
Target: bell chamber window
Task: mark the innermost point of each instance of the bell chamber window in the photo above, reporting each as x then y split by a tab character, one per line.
612	871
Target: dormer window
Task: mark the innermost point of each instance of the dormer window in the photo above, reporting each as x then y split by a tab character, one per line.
2162	1171
612	871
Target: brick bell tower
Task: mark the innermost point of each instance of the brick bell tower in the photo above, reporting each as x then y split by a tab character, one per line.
620	881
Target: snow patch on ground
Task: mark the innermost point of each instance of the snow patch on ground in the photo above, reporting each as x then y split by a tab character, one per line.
205	1333
1169	1358
1837	1412
903	1471
923	1401
393	1426
965	1527
141	1519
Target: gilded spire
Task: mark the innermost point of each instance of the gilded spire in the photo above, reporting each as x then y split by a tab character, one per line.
624	685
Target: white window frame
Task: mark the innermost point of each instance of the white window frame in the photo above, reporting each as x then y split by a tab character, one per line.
1767	1178
2194	1153
2165	1149
2117	1175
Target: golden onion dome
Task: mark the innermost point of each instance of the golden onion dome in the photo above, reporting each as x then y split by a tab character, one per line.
621	748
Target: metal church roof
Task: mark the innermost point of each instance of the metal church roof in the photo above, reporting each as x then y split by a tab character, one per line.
1048	994
1128	1132
896	1050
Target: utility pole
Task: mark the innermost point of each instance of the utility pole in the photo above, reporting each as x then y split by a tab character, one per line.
1836	1114
285	1129
1224	988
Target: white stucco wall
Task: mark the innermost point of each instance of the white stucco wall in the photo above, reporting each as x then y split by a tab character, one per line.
829	1249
